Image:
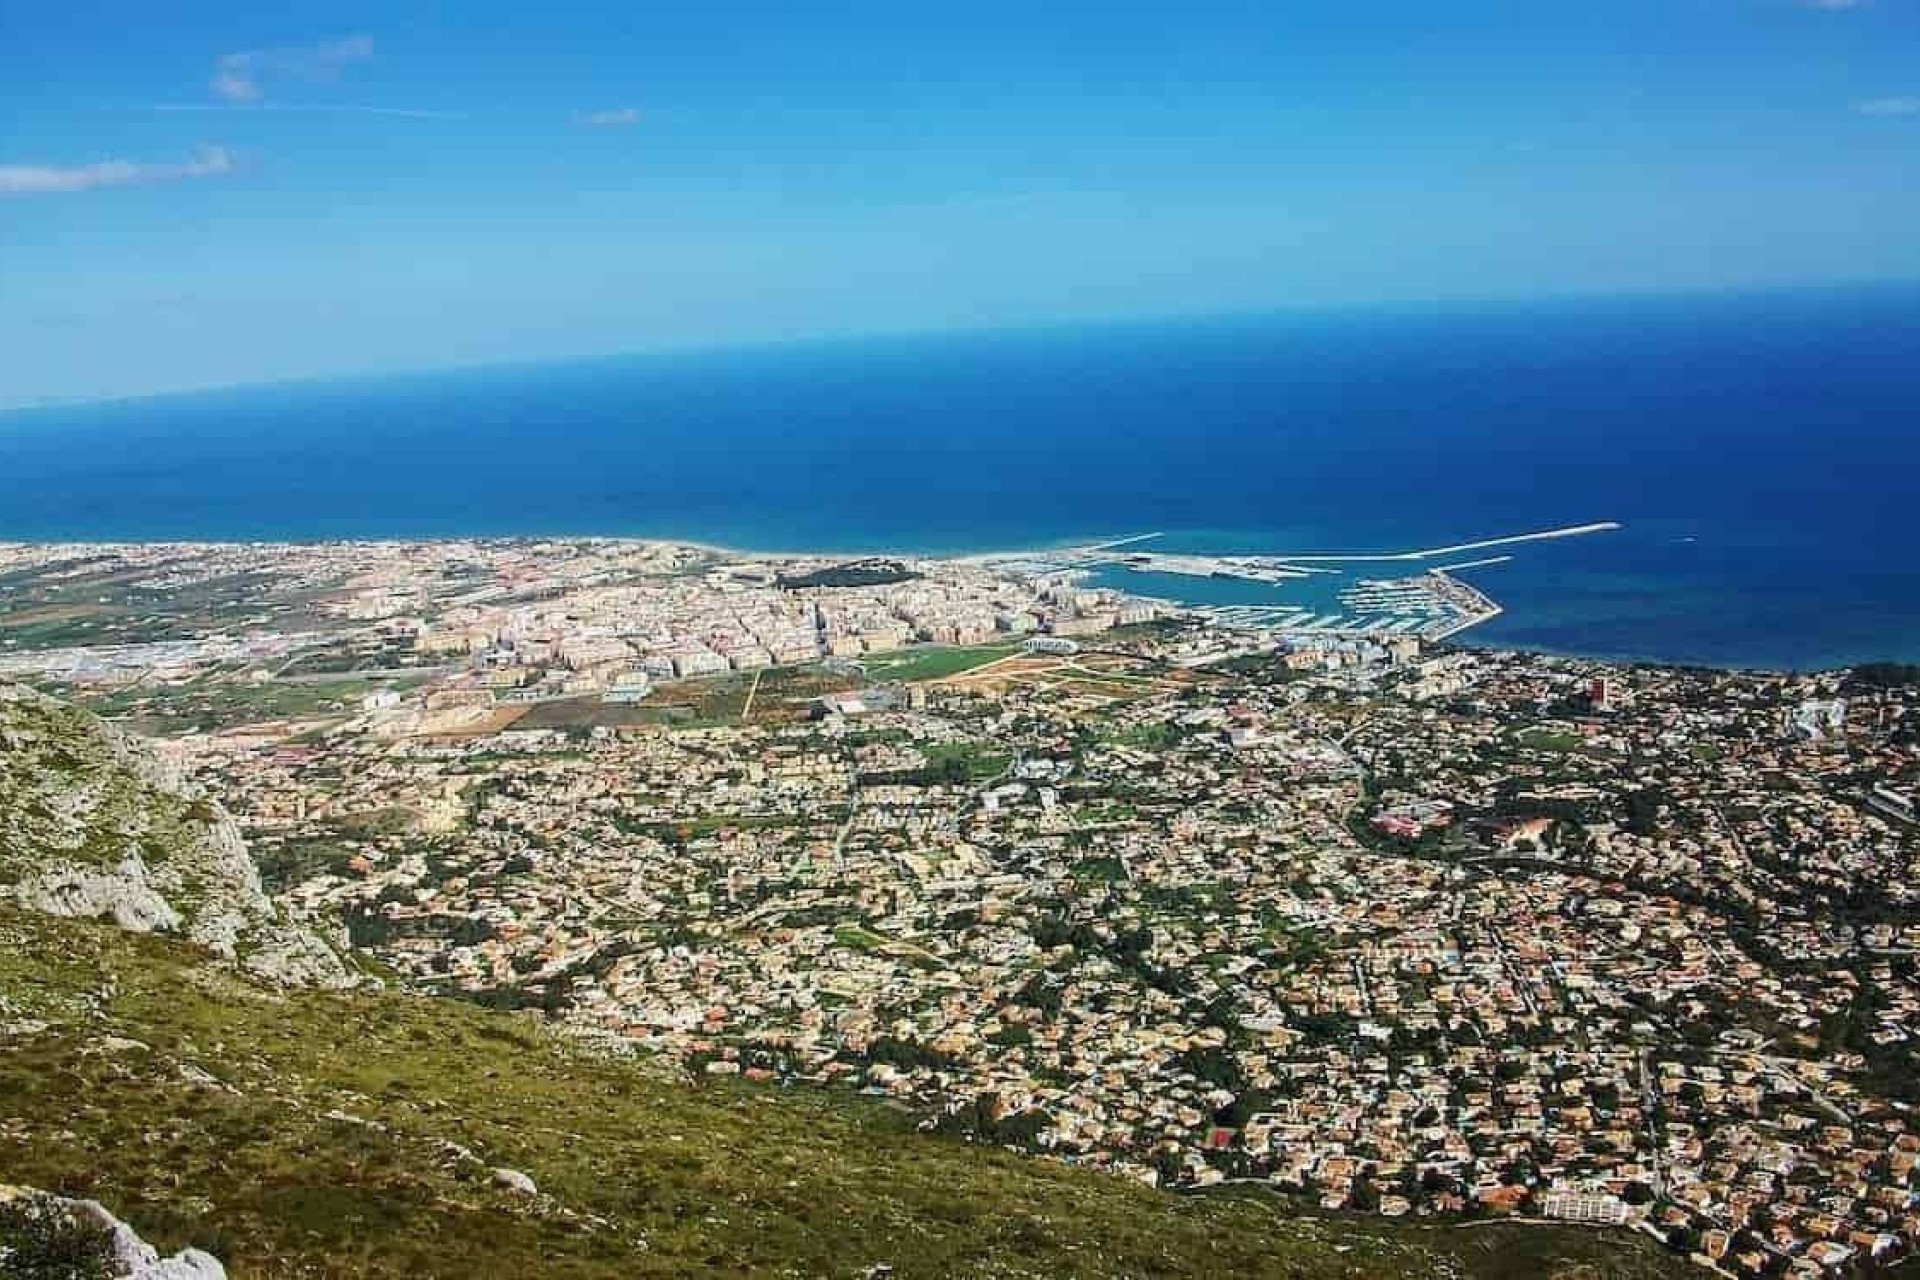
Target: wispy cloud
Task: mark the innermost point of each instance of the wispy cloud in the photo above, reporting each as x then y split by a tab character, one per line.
36	179
1908	105
321	108
242	77
1834	6
617	118
235	82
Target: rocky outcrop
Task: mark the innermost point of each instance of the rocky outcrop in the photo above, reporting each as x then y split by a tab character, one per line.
515	1181
121	894
93	825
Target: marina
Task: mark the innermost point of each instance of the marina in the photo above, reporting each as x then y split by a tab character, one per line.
1431	604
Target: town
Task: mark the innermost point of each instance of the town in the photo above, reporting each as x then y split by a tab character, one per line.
1381	925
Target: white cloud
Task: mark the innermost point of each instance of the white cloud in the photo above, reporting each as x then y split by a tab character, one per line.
617	118
235	84
1833	6
36	179
238	77
1900	106
316	108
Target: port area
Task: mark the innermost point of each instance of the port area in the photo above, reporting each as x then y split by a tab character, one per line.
1430	607
1431	603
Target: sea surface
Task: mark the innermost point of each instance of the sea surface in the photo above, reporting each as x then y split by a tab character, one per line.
1762	451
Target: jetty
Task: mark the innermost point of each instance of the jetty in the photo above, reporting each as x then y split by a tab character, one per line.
1459	548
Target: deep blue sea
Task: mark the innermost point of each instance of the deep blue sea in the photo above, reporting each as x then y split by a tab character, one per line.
1763	452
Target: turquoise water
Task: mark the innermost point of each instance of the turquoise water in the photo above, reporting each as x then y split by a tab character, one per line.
1762	452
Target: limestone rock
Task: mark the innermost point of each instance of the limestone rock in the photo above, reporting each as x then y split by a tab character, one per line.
141	1260
123	895
515	1181
93	825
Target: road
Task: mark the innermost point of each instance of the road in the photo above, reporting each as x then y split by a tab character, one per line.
1649	1098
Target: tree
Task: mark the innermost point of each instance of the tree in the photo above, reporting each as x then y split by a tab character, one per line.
42	1239
1683	1238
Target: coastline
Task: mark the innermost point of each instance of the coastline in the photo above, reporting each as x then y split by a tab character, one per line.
1767	520
1465	638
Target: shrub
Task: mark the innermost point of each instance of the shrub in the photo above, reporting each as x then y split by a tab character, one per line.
42	1239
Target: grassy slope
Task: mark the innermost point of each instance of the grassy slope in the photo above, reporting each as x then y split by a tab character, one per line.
640	1175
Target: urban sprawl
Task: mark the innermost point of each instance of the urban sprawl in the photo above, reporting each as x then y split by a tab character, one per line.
1383	926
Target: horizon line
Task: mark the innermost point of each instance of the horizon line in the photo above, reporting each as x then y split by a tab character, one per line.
1036	325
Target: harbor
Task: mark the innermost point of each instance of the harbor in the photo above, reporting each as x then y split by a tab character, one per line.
1430	608
1430	604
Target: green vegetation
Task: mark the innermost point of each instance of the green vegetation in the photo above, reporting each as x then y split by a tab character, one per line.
326	848
353	1135
855	573
108	606
706	703
689	828
41	1240
223	702
933	662
1150	735
1108	869
703	703
47	740
1550	740
949	764
298	860
1104	811
1258	668
1156	629
972	761
1295	946
578	715
857	938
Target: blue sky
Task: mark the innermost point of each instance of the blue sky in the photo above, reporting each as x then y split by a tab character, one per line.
197	194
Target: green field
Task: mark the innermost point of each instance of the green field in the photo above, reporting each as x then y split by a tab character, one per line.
933	662
38	610
225	701
975	761
1559	741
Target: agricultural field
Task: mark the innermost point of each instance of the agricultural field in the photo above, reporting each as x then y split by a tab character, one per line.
229	700
933	662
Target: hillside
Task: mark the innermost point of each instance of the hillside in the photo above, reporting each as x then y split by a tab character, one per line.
318	1132
337	1134
94	826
